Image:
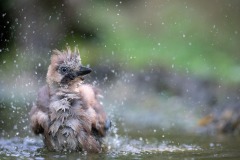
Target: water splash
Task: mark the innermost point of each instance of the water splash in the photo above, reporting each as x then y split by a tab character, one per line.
19	147
124	145
117	146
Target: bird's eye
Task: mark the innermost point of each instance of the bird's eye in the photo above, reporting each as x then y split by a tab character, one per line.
63	70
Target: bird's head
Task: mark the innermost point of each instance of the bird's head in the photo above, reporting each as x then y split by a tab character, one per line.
65	67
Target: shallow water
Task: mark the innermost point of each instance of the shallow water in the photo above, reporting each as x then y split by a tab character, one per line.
150	126
150	144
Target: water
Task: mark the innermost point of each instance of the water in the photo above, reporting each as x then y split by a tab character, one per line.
147	126
173	146
129	140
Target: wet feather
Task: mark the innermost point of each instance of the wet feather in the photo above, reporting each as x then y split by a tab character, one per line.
69	116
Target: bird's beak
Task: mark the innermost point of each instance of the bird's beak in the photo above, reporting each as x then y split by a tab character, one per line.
83	71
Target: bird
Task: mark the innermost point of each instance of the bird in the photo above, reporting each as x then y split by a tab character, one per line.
67	112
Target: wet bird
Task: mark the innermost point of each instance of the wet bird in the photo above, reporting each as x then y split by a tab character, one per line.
68	113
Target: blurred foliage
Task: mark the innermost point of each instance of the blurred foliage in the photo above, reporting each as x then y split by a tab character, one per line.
191	37
180	35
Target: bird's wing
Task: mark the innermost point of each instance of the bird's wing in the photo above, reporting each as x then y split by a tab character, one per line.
102	122
39	112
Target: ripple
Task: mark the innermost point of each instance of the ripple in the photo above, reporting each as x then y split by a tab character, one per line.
133	146
117	146
19	147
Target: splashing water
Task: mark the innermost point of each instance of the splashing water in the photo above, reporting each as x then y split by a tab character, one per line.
117	146
141	130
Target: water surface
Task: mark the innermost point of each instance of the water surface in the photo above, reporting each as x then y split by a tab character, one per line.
149	126
149	145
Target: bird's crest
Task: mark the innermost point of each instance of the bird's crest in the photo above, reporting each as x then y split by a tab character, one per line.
67	57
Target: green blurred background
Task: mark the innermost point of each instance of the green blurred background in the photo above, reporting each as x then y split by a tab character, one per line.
187	49
192	37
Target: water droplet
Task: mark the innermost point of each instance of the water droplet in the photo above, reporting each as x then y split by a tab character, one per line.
211	144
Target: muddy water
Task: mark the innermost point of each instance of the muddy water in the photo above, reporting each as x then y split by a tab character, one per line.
147	126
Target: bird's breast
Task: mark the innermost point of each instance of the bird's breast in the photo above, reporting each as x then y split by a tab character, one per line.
67	120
